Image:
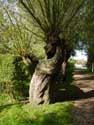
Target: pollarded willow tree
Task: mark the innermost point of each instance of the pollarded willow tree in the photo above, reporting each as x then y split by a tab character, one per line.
88	31
51	18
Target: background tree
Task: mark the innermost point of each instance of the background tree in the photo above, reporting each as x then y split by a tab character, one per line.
87	24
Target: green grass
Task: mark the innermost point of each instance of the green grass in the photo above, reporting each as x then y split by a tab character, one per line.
5	99
86	70
25	114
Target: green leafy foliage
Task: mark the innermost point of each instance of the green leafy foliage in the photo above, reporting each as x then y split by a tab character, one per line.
14	76
70	70
6	68
5	99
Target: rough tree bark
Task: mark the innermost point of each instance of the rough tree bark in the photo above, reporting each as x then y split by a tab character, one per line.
44	77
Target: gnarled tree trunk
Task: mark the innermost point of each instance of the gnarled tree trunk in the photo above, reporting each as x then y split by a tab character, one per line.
44	77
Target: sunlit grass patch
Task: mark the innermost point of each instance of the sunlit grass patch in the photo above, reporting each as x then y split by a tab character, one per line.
18	114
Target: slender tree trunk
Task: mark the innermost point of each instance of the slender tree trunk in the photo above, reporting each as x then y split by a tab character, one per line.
92	67
64	68
43	79
65	63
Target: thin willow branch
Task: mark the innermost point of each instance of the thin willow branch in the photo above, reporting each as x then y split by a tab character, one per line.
31	13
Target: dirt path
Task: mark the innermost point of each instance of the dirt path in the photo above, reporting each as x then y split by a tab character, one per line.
83	110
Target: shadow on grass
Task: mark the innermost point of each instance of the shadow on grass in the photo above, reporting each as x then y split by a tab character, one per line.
51	118
56	114
5	107
71	92
8	106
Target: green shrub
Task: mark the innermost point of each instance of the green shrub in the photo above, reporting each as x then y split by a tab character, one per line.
70	70
6	72
14	76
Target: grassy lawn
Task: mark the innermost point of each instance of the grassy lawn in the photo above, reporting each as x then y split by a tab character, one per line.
25	114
